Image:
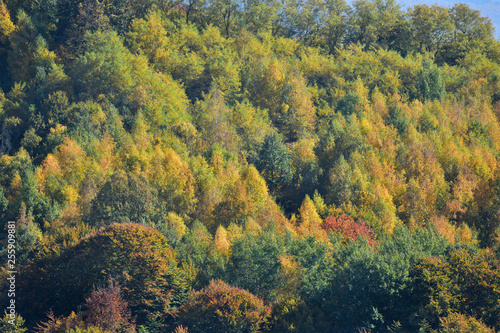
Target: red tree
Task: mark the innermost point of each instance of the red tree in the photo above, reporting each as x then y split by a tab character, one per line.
108	310
350	229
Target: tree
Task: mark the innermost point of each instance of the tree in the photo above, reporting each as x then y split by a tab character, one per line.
124	198
315	23
374	23
298	114
349	104
370	287
90	18
463	282
431	27
274	163
6	25
172	177
288	100
459	323
214	120
350	229
199	248
223	13
270	84
471	31
106	309
221	241
252	124
430	84
260	15
173	227
310	222
44	14
222	308
138	257
31	61
304	276
28	237
10	325
194	10
254	262
61	324
6	28
108	67
341	189
165	47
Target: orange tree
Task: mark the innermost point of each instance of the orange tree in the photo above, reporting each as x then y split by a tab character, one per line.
222	308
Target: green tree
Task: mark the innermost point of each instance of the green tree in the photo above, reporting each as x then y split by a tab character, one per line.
342	189
430	83
348	104
260	15
124	198
197	246
274	163
91	17
315	23
374	23
254	262
109	68
370	287
431	27
471	31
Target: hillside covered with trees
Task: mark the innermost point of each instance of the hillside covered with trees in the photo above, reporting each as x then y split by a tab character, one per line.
249	166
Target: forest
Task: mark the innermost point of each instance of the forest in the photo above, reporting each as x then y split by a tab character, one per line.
247	166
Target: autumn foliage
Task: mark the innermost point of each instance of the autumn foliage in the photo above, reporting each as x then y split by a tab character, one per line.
138	257
222	308
350	229
106	309
337	161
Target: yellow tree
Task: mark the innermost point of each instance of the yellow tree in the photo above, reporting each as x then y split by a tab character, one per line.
299	112
173	179
310	221
6	25
256	188
165	47
221	241
214	120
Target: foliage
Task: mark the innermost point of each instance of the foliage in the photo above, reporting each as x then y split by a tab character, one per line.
255	261
123	198
220	307
8	324
465	282
165	144
350	229
106	309
457	322
274	163
138	257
